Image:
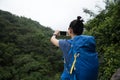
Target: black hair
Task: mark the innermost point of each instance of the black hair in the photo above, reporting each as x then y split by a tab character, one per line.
77	26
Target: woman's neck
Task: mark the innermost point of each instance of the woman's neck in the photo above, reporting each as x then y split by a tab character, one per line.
72	36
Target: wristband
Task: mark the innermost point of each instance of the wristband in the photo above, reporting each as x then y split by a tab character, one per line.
55	35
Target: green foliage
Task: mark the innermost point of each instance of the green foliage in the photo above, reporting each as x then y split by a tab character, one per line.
106	29
25	50
110	62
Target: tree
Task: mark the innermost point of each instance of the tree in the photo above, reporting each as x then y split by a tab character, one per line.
106	28
25	50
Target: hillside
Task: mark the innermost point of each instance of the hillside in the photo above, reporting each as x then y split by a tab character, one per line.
25	50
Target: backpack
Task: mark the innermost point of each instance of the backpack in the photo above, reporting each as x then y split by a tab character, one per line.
82	60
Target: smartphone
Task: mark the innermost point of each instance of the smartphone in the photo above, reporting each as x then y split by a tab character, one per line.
63	33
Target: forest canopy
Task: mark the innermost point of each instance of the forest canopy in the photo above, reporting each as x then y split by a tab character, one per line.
25	50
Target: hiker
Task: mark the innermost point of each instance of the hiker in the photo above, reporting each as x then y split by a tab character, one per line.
79	53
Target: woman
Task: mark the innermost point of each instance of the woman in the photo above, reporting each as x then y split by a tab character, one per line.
82	72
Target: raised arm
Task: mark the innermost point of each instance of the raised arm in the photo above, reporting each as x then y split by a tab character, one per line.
54	40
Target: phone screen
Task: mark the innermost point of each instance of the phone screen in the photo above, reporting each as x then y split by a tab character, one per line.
64	33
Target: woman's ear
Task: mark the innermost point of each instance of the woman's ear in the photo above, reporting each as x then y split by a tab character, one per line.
71	31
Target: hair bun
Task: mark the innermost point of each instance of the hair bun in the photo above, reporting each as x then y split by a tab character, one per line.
79	17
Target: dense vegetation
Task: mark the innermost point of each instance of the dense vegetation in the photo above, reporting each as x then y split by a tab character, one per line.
27	54
25	50
106	29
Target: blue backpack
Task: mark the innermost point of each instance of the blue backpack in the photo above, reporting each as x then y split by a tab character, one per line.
82	60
